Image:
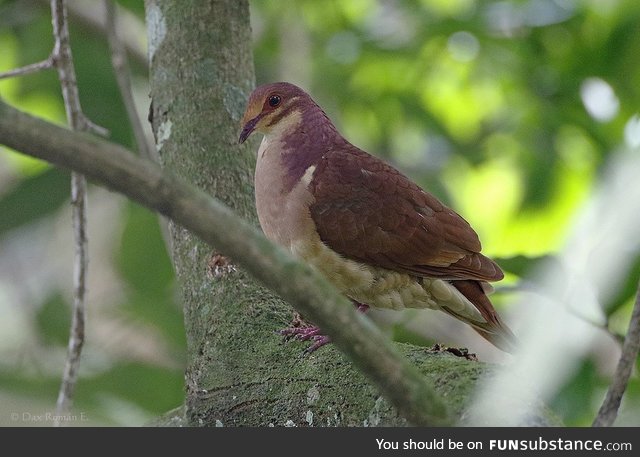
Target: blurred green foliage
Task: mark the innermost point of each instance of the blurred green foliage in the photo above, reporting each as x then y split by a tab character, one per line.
507	110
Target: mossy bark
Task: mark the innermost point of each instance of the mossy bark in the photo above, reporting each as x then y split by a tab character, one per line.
201	71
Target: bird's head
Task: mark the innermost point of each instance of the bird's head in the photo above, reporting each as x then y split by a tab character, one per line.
271	105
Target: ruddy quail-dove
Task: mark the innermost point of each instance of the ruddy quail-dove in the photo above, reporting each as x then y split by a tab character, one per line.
377	236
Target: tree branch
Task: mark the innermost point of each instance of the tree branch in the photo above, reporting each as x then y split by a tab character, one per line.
28	69
66	74
133	30
146	183
609	409
122	73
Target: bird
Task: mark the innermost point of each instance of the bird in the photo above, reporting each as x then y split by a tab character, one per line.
377	236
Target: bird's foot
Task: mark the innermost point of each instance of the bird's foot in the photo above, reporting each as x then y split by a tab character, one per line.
361	307
303	331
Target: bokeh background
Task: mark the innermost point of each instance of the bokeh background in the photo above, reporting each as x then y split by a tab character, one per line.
509	111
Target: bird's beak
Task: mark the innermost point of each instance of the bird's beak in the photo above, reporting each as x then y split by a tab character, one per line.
248	129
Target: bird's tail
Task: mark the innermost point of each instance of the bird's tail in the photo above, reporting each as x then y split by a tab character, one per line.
492	329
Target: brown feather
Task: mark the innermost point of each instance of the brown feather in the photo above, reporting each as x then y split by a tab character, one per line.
366	210
493	330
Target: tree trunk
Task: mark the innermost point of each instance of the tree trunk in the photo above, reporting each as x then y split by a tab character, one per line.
201	71
238	371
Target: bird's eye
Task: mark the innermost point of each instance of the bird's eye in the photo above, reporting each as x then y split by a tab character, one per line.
274	100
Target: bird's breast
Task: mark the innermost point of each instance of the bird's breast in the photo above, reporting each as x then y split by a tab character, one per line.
283	211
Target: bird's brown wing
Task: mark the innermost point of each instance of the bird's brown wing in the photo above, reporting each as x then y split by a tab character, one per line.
366	210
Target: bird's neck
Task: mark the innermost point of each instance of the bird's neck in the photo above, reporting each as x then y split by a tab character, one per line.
302	139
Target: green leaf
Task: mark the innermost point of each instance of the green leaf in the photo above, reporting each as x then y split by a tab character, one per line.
154	389
574	401
523	265
142	257
626	290
33	198
54	320
143	261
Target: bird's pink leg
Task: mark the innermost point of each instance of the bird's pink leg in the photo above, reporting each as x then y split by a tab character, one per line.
303	331
361	307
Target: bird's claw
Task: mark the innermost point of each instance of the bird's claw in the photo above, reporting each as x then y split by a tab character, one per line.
301	330
306	333
319	341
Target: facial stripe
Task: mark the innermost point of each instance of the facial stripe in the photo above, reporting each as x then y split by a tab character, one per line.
284	111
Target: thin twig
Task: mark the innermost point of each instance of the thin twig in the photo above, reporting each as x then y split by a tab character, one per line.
132	29
61	59
90	126
122	73
76	335
609	409
67	76
28	69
